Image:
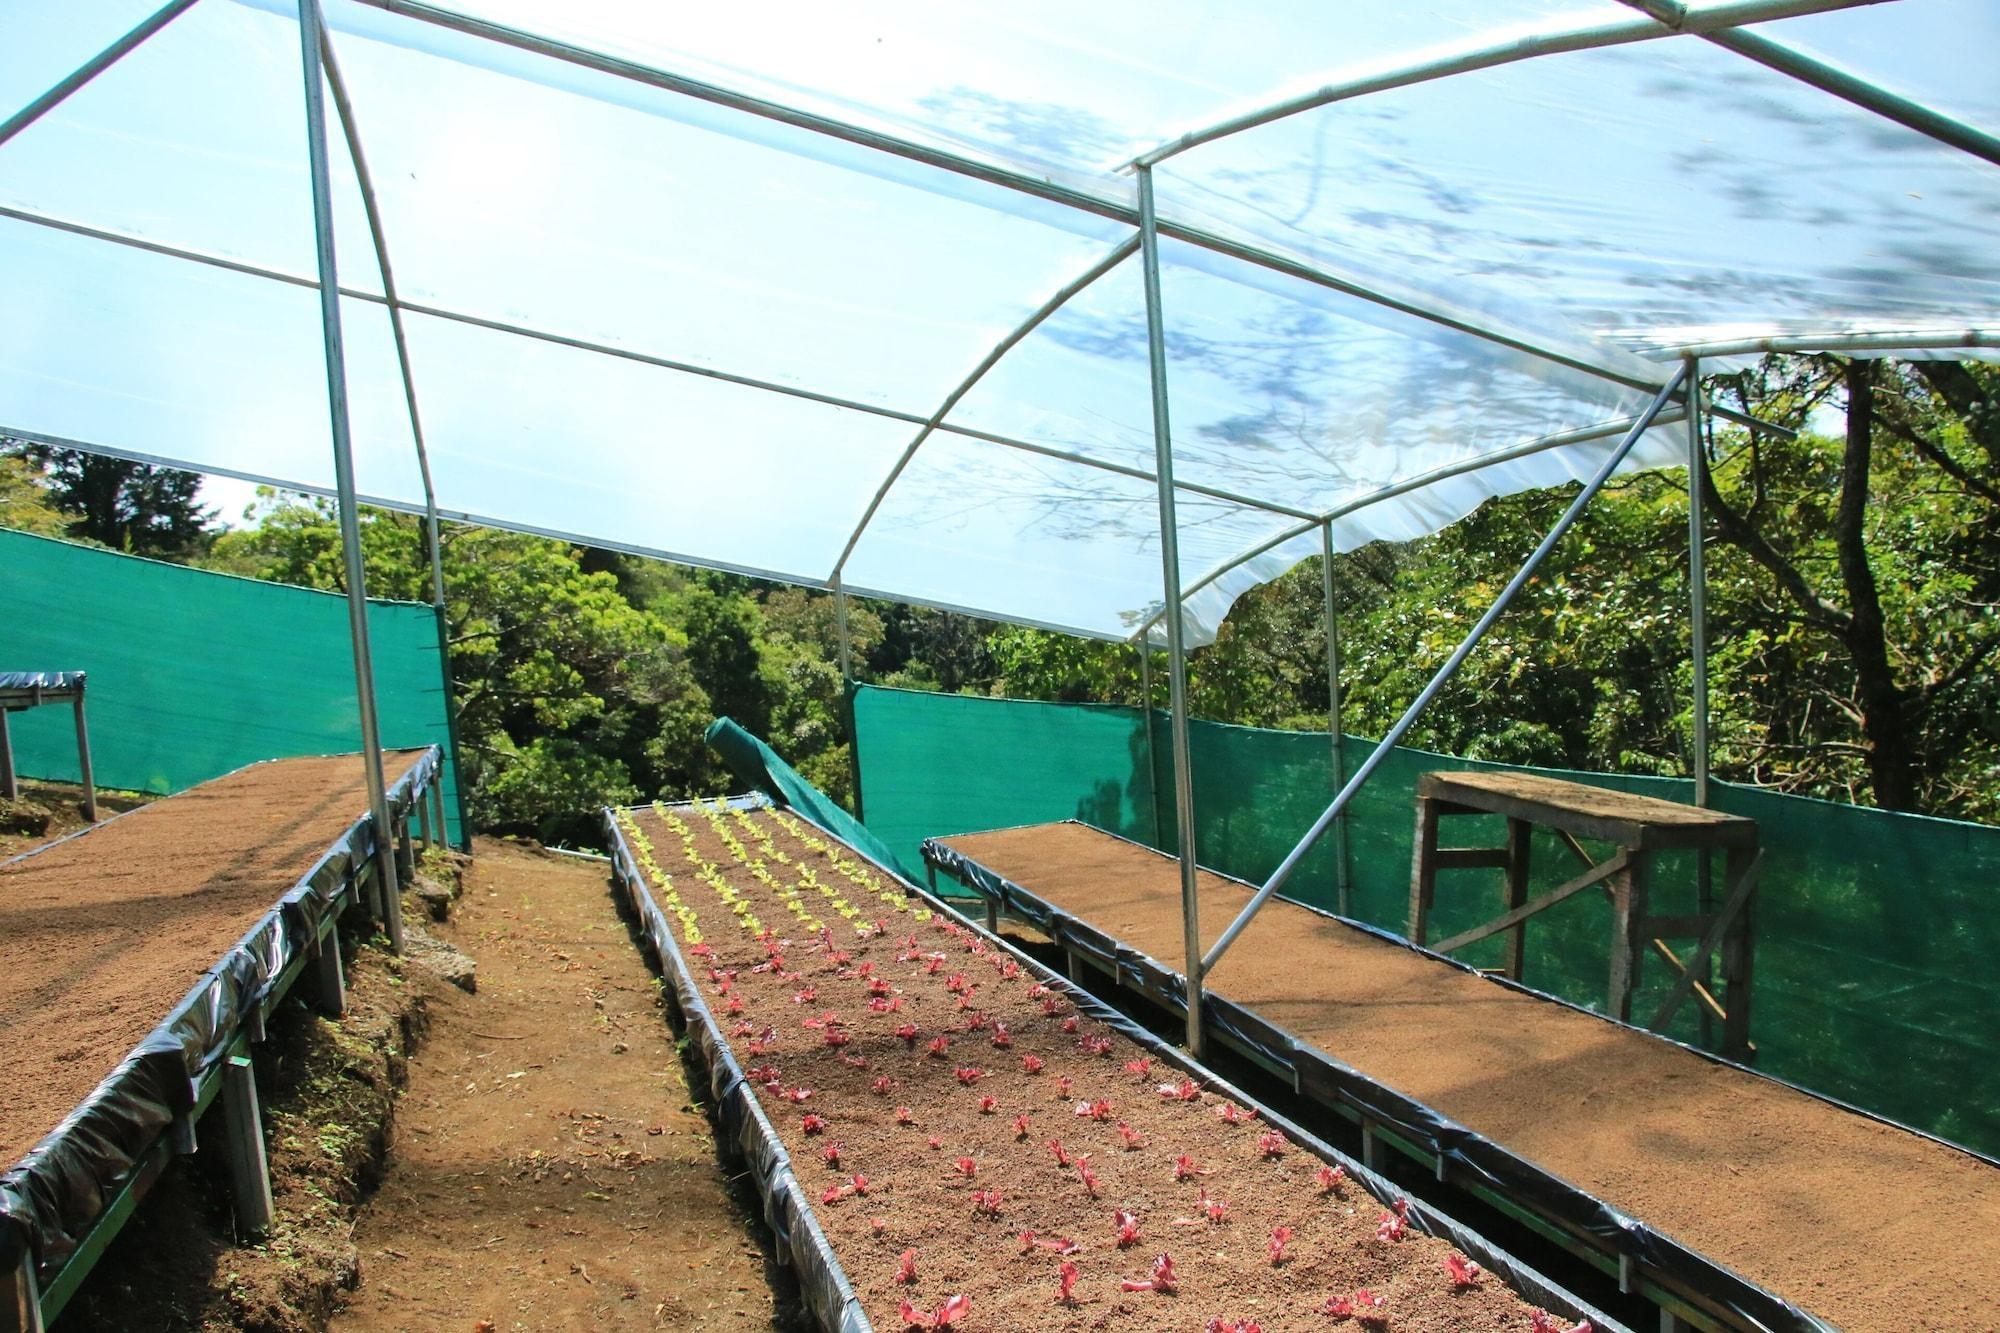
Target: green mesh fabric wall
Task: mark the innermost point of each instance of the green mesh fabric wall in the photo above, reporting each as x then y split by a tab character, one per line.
1874	930
193	674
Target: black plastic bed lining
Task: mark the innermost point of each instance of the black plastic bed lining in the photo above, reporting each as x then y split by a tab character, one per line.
1465	1156
828	1293
51	1198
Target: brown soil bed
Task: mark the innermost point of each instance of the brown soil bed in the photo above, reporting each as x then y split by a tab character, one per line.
102	935
550	1170
903	1139
1867	1225
50	810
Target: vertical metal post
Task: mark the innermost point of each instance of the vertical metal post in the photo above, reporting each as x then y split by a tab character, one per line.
10	785
343	465
1343	874
840	632
1704	871
1170	565
1697	585
21	1297
1152	754
83	758
847	691
330	982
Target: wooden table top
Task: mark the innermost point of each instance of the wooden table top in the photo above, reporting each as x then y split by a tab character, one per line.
1587	811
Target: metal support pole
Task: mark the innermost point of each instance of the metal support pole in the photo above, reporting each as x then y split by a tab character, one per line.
406	855
437	812
343	465
1697	585
243	1125
1343	872
847	692
1450	667
422	807
83	759
1170	565
10	784
840	632
1152	752
91	68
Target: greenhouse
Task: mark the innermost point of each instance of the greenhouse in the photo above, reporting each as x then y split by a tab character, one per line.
1089	319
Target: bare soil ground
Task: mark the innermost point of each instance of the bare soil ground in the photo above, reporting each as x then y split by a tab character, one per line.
550	1169
102	935
1868	1225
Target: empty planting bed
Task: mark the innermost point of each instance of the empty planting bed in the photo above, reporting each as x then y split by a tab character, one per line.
947	1135
1859	1222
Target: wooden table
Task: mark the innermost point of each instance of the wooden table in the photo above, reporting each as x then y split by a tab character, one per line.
1637	826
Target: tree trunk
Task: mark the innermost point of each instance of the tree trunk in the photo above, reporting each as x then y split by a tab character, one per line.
1884	706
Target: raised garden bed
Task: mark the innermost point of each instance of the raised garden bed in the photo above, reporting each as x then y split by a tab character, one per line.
1697	1174
968	1132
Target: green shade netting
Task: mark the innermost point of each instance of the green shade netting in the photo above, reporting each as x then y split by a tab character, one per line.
1874	934
193	674
758	765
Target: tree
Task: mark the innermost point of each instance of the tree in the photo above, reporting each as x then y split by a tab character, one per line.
131	507
25	502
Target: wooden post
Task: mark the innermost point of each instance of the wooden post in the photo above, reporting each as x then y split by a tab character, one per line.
1628	908
21	1297
10	786
438	820
83	760
992	913
423	812
1423	868
406	855
330	983
1738	950
249	1171
1520	836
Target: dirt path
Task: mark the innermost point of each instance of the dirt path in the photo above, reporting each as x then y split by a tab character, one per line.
549	1170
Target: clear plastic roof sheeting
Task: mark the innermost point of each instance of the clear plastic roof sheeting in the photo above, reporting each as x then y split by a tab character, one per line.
851	294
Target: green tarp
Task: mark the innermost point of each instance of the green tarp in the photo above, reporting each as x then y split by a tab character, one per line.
192	674
1875	931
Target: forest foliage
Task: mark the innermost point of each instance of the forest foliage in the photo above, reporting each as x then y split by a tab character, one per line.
1854	576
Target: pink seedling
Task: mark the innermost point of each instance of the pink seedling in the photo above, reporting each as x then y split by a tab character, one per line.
761	1074
969	1074
1219	1325
1061	1153
832	1153
1548	1323
1271	1143
1328	1178
906	1268
1127	1228
1032	1064
812	1124
735	1005
836	1038
965	1003
1215	1211
1009	969
1185	1168
932	962
1134	1140
1098	1110
934	1143
806	996
1052	1005
1001	1037
864	969
1232	1114
835	1193
1364	1307
882	1086
1141	1066
1462	1271
1393	1227
1066	1283
937	1047
1069	1024
1094	1045
908	1032
1037	991
700	950
742	1028
988	1105
957	984
1063	1085
904	1116
1060	1244
953	1310
967	1167
1281	1236
1162	1281
763	1042
877	986
976	1020
986	1202
888	1006
878	1225
1183	1091
1086	1175
1021	1127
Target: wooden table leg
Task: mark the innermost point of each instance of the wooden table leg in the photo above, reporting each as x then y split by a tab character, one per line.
1520	836
1738	957
1423	868
1628	906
